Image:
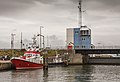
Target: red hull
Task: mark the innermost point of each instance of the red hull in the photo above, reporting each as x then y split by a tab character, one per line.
22	64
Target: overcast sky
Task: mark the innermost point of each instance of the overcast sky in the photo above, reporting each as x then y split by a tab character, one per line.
102	16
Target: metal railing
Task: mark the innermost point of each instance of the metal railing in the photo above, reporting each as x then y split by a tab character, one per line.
106	47
95	47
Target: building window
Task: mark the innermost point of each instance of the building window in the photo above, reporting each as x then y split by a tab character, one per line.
83	38
87	32
84	32
83	46
76	46
81	32
76	32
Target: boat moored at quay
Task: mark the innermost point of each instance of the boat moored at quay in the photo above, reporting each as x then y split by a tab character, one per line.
32	58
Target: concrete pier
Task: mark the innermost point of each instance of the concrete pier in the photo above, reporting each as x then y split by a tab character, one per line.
6	65
76	59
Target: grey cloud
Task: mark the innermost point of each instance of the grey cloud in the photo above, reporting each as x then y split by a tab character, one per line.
110	2
105	4
4	45
47	1
12	6
15	7
74	1
55	41
9	7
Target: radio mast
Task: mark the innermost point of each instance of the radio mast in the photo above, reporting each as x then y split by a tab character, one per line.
80	13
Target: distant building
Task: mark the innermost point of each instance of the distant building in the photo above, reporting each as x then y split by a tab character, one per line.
80	38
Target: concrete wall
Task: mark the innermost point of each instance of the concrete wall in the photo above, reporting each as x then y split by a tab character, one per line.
104	61
6	65
76	59
70	35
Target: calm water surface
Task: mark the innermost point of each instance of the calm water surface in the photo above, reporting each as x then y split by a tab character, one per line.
86	73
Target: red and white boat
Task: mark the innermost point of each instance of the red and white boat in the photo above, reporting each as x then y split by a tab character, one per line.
32	59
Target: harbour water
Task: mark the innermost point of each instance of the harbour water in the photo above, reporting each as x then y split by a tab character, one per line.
80	73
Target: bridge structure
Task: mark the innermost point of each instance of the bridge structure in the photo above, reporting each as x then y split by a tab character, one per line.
85	52
97	51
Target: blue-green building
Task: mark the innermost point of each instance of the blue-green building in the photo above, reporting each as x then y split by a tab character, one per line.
79	37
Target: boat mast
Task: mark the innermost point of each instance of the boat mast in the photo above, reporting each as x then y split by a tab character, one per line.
80	13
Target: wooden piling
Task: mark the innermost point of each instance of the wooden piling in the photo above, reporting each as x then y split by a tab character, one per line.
45	64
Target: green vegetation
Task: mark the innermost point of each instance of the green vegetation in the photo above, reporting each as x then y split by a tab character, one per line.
11	53
54	52
18	52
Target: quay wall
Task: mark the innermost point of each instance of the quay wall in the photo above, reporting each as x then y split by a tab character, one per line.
76	59
6	65
109	60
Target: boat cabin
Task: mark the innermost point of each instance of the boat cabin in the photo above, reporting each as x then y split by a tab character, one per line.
32	53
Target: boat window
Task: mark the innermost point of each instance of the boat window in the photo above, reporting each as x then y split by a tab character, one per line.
28	54
35	55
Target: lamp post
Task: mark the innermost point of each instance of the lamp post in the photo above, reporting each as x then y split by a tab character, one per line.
40	36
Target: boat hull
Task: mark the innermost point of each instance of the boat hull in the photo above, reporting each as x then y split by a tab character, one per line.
22	64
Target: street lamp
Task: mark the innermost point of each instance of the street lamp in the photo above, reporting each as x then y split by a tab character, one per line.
40	36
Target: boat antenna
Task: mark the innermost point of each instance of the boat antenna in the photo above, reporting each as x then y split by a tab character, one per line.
80	13
21	41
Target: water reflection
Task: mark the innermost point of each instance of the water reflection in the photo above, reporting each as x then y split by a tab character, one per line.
26	75
45	74
80	73
84	73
